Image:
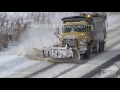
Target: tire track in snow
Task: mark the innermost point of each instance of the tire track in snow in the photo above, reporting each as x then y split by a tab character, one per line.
40	71
103	66
92	64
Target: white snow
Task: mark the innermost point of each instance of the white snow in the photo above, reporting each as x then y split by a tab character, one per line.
55	71
92	64
29	70
17	14
10	64
113	21
111	71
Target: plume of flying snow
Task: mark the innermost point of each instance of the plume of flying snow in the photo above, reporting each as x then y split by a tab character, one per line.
39	37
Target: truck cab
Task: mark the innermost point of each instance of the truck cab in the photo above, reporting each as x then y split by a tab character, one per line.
86	32
79	36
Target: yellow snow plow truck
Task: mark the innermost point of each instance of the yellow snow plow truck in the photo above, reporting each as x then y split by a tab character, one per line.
80	36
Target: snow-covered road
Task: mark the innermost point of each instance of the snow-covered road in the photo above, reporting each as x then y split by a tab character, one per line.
41	69
76	71
18	66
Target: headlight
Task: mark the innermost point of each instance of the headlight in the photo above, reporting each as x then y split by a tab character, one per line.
88	16
83	38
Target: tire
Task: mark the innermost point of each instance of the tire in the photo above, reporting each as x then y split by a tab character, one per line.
103	46
97	48
100	47
87	53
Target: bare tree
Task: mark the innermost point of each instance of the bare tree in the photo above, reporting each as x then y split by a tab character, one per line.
11	28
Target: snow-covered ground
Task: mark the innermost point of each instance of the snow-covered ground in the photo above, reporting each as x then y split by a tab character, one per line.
10	64
92	64
113	21
84	68
13	60
110	71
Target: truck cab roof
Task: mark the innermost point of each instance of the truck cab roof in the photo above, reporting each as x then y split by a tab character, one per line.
83	17
74	18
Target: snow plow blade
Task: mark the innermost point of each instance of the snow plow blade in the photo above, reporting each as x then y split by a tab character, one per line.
62	54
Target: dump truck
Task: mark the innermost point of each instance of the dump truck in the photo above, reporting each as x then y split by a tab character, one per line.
79	37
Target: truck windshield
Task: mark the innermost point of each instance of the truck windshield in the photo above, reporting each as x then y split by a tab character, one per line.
76	28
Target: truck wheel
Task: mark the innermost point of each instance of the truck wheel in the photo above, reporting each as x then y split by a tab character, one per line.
97	48
100	46
103	45
87	53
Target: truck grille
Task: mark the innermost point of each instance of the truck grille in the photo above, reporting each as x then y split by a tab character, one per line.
71	42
